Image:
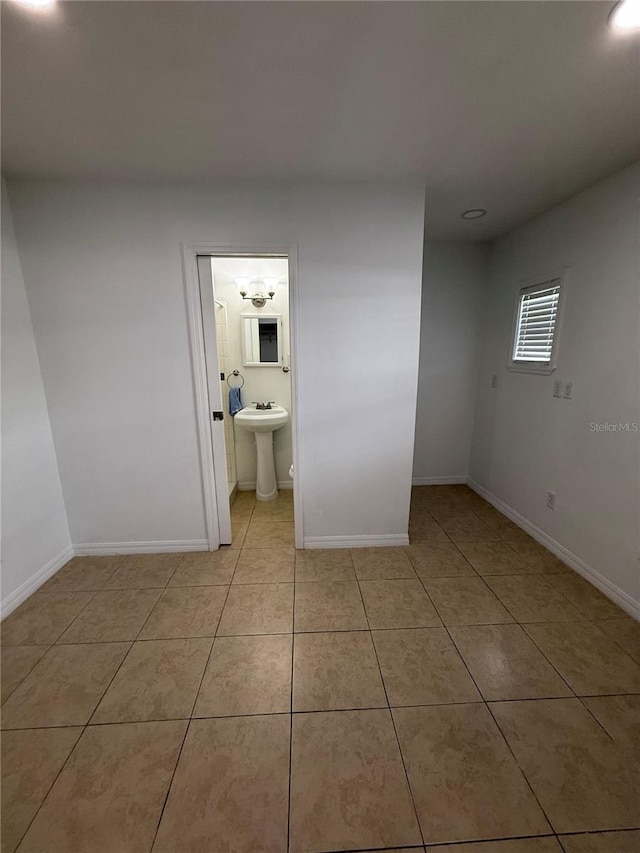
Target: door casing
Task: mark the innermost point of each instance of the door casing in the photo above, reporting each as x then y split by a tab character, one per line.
190	254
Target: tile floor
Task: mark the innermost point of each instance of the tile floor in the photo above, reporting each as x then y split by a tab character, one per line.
468	694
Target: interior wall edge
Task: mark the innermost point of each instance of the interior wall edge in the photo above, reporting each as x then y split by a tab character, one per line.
33	583
454	281
611	590
32	495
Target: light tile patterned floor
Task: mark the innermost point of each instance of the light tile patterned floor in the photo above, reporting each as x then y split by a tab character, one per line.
468	694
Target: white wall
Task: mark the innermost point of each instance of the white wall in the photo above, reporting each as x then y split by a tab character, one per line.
102	265
453	286
260	383
35	534
526	442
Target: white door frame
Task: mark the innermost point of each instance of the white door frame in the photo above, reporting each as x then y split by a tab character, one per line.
190	252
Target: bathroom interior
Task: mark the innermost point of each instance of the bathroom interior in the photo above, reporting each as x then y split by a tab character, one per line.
251	303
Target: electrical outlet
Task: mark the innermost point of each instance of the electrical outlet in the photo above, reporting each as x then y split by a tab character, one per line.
568	390
557	388
551	500
494	380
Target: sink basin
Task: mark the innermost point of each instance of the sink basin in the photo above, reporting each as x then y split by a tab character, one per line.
262	420
262	423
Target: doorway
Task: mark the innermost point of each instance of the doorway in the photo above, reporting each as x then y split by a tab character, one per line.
241	307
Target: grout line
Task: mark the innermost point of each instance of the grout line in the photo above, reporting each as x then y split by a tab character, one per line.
608	831
27	674
57	776
293	642
204	672
605	695
132	643
517	763
498	599
393	722
478	701
418	848
163	638
118	566
315	631
128	639
590	712
136	639
84	607
515	759
169	786
544	655
292	635
98	703
515	622
486	704
188	726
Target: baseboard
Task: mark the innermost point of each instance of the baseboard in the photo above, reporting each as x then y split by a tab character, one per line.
250	486
95	549
617	595
440	481
26	589
366	541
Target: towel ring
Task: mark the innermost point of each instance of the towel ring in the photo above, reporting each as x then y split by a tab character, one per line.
235	373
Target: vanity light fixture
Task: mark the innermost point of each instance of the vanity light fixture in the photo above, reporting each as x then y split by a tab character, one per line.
625	16
243	282
474	213
258	300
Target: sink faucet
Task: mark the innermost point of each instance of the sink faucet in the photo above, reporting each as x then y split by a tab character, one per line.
262	406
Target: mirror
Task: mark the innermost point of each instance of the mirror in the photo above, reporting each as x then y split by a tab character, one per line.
261	340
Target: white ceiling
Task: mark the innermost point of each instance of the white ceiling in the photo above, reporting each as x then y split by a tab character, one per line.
512	106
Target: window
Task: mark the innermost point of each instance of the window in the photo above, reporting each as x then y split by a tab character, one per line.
536	327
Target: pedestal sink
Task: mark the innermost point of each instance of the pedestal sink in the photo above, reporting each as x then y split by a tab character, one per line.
263	423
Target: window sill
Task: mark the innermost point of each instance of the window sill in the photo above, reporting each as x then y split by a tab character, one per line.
541	369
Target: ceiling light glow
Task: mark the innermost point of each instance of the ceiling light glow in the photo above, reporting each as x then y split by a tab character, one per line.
474	213
36	4
625	16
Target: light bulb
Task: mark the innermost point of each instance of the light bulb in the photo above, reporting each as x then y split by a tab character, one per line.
625	16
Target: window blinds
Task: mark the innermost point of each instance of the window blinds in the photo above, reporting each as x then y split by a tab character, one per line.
537	313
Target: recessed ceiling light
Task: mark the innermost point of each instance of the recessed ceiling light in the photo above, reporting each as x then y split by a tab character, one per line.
36	4
625	16
474	213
